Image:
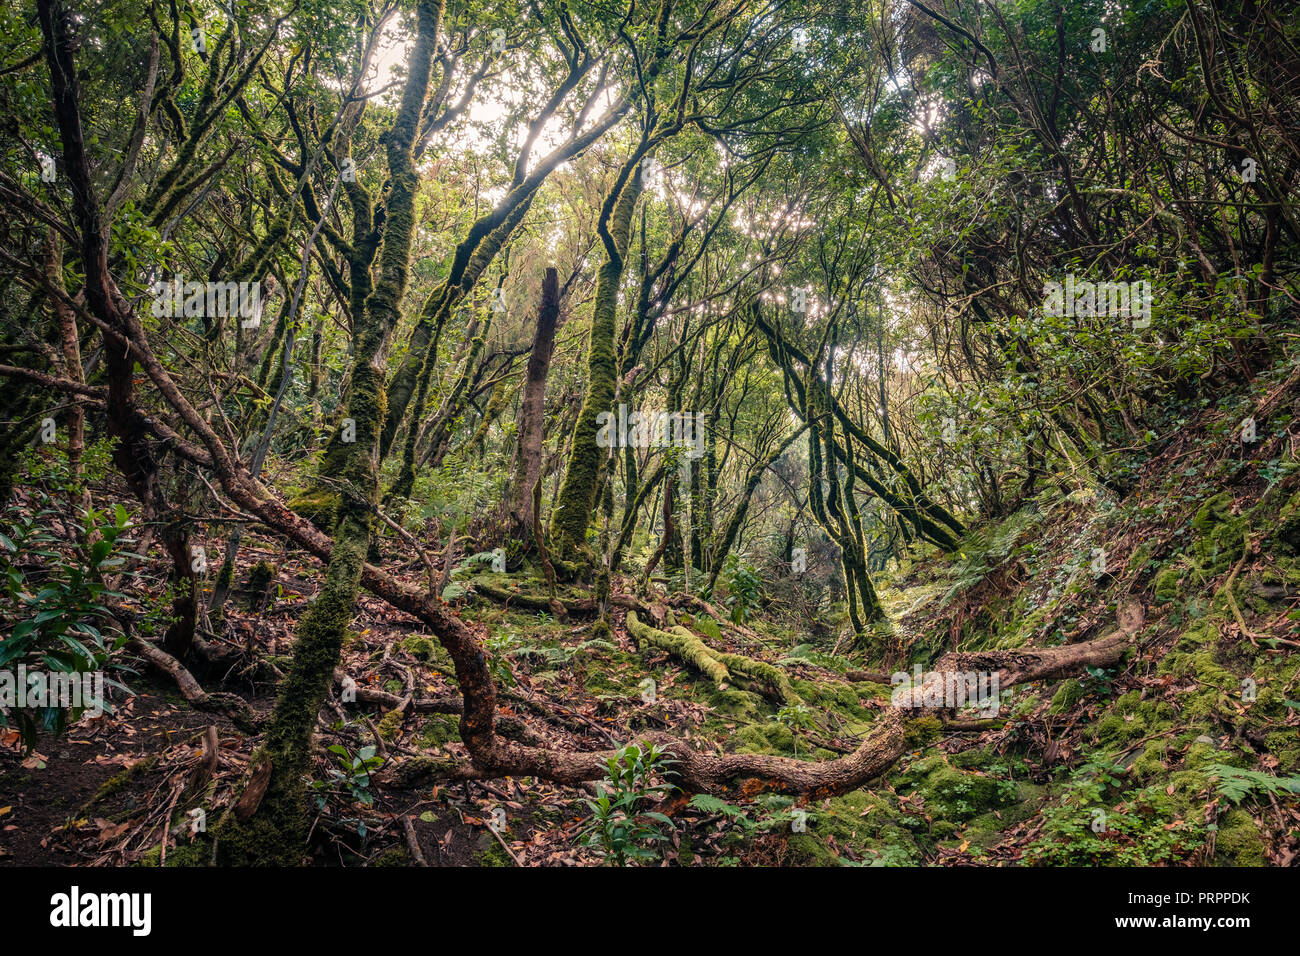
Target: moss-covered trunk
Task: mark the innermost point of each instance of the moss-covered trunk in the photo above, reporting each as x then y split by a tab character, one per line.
837	513
410	382
577	498
274	829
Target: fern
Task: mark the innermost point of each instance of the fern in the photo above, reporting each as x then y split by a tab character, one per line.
1237	784
707	803
986	548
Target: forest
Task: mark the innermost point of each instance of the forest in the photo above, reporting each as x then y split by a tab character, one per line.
649	433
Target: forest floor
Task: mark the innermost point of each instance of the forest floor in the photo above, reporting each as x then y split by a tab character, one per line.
1187	752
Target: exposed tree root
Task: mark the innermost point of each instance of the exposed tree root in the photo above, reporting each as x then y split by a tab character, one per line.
229	705
413	842
682	646
714	664
534	602
750	774
570	607
1030	664
873	677
420	705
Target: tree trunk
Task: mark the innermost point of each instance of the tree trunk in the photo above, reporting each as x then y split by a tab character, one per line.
577	498
272	828
528	458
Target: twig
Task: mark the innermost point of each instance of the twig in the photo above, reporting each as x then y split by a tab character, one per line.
511	852
413	842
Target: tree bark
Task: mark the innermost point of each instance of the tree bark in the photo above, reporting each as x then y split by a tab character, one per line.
528	458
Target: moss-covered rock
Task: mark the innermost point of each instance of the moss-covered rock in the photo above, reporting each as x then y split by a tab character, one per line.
439	730
867	822
955	794
922	731
1288	526
1239	841
1132	718
772	737
1067	695
1219	533
735	703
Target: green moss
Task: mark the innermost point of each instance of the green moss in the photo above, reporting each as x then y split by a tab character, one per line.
576	502
1194	657
397	856
922	731
1219	539
1239	842
1203	753
276	834
491	853
1131	718
1168	584
734	703
864	821
439	730
1067	695
1288	525
318	506
955	794
771	678
1150	764
1285	746
261	575
771	737
198	853
846	698
423	649
682	645
118	781
417	770
989	828
1188	785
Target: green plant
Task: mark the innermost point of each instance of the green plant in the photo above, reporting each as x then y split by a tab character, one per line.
1236	784
501	646
351	776
1098	681
620	826
53	607
796	716
1097	823
772	813
744	588
560	656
